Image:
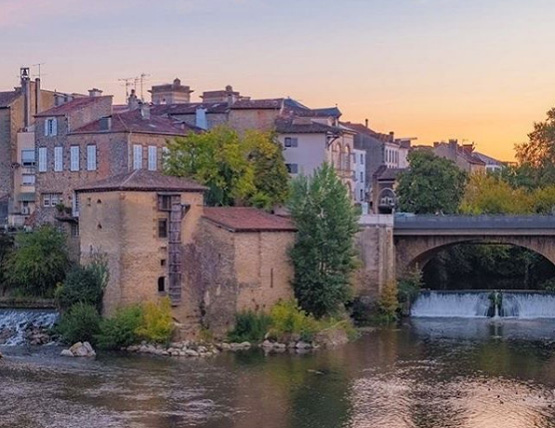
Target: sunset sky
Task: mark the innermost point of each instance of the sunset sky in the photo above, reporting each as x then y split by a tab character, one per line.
480	70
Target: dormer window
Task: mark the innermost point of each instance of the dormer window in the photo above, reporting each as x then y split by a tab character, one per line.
50	127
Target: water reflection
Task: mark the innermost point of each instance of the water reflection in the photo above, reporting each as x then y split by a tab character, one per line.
430	373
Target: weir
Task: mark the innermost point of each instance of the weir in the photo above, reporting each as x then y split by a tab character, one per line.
485	303
14	323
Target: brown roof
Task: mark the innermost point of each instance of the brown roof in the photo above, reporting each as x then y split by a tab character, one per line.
133	121
75	104
6	98
187	108
143	180
387	174
292	126
240	219
266	104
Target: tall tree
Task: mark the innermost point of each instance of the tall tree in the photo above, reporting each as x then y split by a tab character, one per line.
538	153
431	184
323	254
238	169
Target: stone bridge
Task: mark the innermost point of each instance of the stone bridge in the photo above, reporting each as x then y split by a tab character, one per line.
391	245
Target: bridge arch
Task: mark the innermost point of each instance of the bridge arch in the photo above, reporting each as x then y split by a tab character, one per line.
416	251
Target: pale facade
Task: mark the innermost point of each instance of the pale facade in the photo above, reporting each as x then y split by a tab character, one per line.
359	162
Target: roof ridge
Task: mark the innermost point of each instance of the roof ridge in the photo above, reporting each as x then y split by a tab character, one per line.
124	182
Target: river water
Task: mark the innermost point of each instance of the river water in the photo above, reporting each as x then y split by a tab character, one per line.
428	373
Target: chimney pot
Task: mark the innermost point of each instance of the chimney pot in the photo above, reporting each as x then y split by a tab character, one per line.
366	122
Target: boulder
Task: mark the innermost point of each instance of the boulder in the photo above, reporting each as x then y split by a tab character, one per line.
303	345
81	349
332	337
66	353
191	353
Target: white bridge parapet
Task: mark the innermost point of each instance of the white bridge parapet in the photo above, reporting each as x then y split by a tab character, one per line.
376	220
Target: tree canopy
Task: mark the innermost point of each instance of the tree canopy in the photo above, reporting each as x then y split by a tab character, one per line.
238	169
323	254
431	185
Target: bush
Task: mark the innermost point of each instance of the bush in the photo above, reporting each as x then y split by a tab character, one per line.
409	286
388	303
121	330
250	326
157	325
79	324
289	319
83	284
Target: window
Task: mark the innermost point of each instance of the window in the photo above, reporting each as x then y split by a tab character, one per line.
51	199
51	127
164	202
76	205
74	158
163	228
361	159
163	262
91	157
292	168
28	179
28	157
42	159
137	156
74	230
152	158
361	195
361	176
162	284
291	142
58	159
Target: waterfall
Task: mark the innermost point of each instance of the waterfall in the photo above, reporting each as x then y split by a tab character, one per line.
15	322
528	305
464	304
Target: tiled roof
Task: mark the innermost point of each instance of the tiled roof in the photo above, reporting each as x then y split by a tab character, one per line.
361	129
75	104
387	174
291	126
294	108
188	108
133	121
143	180
240	219
266	104
6	98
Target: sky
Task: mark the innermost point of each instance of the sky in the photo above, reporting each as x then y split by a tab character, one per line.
476	70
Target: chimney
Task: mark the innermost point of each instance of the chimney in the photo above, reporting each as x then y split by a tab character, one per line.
145	111
366	123
133	101
229	94
200	118
38	106
391	136
26	90
94	92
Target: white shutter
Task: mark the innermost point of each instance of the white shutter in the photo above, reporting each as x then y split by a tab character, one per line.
74	164
46	127
91	158
42	159
54	126
58	159
137	156
152	158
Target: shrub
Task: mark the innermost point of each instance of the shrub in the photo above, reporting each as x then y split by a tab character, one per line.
80	323
409	286
388	303
157	325
287	319
250	326
121	329
84	284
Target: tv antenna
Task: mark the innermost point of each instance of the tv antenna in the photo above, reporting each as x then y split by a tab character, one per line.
127	83
142	79
38	65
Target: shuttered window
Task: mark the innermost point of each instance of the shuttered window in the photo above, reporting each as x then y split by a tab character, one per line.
152	158
42	159
74	154
51	127
58	159
91	158
137	156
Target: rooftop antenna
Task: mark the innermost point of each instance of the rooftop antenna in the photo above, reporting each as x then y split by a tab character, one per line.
38	65
142	79
127	83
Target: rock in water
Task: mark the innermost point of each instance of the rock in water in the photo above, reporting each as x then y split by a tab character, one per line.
80	349
66	353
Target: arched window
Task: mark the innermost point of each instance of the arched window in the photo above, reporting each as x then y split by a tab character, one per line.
346	159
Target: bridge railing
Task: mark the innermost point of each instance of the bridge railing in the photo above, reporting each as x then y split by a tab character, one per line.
474	222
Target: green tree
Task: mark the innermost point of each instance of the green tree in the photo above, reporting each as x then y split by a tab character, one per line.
537	155
39	261
323	254
6	247
238	169
431	184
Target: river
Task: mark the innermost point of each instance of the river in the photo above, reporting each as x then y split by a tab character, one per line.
427	373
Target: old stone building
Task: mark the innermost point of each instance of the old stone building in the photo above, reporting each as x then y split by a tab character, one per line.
161	241
17	160
462	154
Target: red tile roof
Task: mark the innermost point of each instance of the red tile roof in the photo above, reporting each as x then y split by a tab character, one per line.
75	104
242	219
143	180
133	121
